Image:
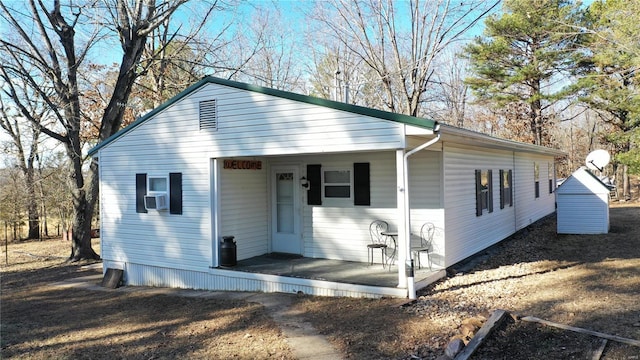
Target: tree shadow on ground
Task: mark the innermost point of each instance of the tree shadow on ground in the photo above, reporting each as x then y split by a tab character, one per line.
44	321
540	241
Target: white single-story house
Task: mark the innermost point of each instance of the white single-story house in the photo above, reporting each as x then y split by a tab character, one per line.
583	204
289	173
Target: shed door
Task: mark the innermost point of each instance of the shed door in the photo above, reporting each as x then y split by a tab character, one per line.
285	210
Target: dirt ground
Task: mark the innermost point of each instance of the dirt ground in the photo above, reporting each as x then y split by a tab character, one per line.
587	281
44	322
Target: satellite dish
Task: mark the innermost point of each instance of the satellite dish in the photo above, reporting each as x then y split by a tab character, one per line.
598	159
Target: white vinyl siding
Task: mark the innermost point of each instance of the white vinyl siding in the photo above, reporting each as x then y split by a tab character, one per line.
342	232
426	200
530	209
338	229
156	237
244	209
466	233
583	205
583	214
250	124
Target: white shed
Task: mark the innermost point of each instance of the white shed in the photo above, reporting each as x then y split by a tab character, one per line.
583	204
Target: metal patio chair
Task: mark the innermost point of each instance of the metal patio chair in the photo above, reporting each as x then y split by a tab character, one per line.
378	241
426	239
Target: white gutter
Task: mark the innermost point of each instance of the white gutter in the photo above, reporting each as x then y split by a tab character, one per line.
406	234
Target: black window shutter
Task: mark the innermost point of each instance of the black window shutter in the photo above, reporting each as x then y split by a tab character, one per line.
490	176
478	192
314	175
550	186
362	184
175	193
502	192
141	191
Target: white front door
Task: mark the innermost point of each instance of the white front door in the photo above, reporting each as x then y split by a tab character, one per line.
285	210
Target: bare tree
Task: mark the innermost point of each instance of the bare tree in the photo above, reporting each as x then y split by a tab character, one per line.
11	202
580	134
48	51
339	75
400	41
273	55
451	94
25	137
174	60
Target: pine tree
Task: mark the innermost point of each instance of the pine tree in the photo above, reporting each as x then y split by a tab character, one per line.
522	55
610	78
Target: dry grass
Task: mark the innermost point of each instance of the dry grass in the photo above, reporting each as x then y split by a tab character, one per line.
44	322
586	281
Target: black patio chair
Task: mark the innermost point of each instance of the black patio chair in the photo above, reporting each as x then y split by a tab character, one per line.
426	241
378	241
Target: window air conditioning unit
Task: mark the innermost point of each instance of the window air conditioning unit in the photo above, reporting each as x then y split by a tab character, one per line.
155	202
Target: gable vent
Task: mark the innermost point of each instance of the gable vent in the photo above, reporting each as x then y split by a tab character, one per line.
208	115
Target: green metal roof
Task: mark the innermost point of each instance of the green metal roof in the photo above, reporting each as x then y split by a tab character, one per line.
400	118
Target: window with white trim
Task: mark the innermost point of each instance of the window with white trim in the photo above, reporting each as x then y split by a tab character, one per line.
484	191
536	179
506	193
157	185
336	183
551	176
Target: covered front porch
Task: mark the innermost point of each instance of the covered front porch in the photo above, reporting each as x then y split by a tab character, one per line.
332	277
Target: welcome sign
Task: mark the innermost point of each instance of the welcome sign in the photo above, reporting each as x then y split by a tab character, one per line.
243	164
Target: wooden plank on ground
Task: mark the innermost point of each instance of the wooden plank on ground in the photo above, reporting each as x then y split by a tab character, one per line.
494	321
598	353
583	331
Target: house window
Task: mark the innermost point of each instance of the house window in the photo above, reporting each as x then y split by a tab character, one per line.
484	193
157	185
159	188
337	183
551	176
506	194
536	179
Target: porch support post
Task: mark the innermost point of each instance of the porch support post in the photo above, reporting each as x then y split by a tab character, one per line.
403	217
410	280
214	205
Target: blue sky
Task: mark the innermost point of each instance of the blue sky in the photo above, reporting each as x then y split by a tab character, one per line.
292	12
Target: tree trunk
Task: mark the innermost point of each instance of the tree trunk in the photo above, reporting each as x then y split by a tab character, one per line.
81	232
81	239
44	227
536	113
626	183
34	221
32	206
82	204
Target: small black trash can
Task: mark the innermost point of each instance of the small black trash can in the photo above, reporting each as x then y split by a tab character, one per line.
228	252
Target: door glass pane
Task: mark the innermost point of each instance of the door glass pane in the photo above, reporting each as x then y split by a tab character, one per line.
284	200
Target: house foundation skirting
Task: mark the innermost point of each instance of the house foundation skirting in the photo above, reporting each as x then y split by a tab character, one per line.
229	280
